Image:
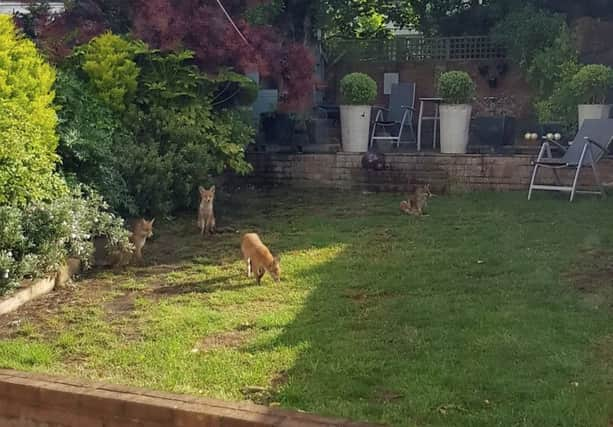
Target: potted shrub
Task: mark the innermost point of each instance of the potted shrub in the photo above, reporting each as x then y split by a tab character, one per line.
457	90
590	87
358	92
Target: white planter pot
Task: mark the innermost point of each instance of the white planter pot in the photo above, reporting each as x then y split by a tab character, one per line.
594	111
455	124
355	126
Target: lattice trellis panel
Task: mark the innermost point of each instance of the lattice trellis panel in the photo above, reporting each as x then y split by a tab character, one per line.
417	48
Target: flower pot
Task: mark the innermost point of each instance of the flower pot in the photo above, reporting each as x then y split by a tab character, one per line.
355	126
278	128
593	111
455	125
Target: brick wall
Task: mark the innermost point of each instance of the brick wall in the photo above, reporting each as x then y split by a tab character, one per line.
443	172
28	400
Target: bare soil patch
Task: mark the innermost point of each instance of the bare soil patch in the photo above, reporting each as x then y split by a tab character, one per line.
593	272
230	339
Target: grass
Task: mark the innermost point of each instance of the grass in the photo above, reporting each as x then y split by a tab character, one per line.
490	311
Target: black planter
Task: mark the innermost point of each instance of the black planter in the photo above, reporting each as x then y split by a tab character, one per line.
493	131
278	128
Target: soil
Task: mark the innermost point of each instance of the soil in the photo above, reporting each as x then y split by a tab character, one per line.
593	272
231	339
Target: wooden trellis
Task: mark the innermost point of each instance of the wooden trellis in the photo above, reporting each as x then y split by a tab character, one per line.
417	48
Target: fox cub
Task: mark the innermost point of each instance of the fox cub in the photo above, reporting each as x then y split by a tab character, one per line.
142	231
206	216
259	259
114	257
416	204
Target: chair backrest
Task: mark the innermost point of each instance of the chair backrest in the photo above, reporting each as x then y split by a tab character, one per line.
599	130
403	94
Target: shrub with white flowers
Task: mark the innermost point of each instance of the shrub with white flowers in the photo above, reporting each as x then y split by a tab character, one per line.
37	239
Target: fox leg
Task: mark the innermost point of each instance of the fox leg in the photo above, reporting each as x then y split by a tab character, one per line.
258	276
249	270
201	225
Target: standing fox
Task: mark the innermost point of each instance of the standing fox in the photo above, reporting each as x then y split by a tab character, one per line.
259	259
206	216
120	257
417	201
142	230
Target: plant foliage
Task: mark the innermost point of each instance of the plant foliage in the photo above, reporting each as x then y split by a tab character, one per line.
456	87
108	61
27	120
358	89
37	239
89	135
592	83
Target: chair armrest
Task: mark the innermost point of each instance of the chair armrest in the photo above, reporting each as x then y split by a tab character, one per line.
556	143
544	152
408	107
379	107
591	141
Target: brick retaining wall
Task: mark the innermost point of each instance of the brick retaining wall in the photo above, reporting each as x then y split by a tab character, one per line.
445	172
29	400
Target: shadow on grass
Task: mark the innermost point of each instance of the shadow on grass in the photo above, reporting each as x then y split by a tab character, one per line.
461	319
203	286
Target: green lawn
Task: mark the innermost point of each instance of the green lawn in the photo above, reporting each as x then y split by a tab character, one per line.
490	311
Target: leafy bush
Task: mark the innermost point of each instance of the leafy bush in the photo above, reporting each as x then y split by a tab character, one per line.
27	120
586	84
527	31
541	43
188	127
358	89
180	148
456	87
181	128
265	13
591	84
109	63
553	64
37	239
89	134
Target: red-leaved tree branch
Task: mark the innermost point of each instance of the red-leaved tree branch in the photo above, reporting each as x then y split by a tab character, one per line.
197	25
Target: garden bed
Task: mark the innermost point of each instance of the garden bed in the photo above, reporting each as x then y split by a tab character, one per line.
473	315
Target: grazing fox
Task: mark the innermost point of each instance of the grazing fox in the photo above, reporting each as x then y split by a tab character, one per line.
142	230
417	201
259	259
206	216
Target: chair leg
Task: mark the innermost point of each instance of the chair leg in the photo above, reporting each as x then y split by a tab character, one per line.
536	167
558	180
579	166
435	121
412	130
372	135
419	124
597	180
399	135
575	180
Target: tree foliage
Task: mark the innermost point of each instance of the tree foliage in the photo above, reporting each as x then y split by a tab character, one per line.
89	135
199	26
203	28
27	120
108	61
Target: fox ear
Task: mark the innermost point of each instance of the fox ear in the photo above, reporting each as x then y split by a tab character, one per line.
152	221
201	189
212	190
